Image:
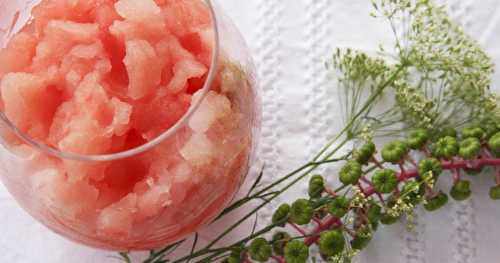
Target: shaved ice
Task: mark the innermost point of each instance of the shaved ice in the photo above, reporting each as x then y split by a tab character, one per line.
95	77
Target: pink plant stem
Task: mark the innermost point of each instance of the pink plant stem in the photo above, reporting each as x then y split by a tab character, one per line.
328	223
381	198
317	221
279	259
447	165
377	163
402	168
299	229
366	181
412	161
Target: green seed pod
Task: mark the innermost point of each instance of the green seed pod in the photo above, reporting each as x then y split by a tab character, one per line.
232	259
237	251
301	212
495	193
260	250
363	154
473	132
490	127
350	173
296	252
494	143
339	206
394	152
417	138
387	219
470	148
461	190
430	165
281	214
385	181
448	131
362	239
436	202
280	239
331	243
374	212
316	186
446	147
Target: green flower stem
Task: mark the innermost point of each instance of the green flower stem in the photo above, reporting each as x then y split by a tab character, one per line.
368	104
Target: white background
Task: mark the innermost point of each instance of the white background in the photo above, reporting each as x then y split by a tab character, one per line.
291	40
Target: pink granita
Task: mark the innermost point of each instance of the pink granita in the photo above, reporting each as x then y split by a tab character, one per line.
94	77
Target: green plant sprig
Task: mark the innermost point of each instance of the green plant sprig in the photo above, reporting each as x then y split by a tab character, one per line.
438	78
345	223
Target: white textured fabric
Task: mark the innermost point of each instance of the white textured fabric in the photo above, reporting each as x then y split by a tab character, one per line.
291	40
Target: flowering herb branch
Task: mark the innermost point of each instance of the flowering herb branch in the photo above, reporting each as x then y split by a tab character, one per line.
436	78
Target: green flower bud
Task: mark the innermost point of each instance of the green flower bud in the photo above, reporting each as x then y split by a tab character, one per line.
362	239
473	132
495	193
448	131
385	181
339	206
446	147
436	202
413	192
331	243
430	165
417	138
350	173
494	143
260	250
316	186
374	213
280	239
281	214
461	190
387	219
363	154
301	212
296	252
394	152
470	148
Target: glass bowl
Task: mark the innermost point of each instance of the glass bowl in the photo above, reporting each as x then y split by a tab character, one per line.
125	125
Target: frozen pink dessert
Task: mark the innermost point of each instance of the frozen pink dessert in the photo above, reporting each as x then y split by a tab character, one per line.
104	76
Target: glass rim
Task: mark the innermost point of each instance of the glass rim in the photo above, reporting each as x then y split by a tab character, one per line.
148	145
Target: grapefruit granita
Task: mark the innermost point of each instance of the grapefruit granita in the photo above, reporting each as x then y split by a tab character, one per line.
85	81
